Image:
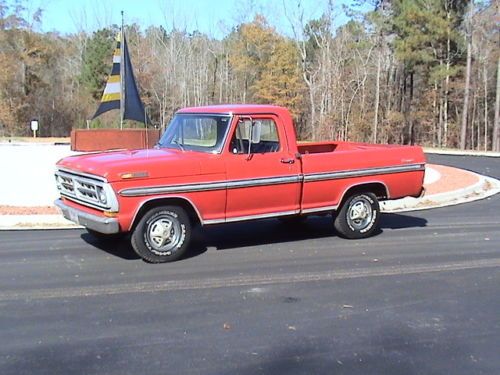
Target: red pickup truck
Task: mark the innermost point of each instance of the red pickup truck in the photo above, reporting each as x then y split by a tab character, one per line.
221	164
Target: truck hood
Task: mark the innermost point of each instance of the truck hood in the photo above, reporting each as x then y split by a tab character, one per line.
156	163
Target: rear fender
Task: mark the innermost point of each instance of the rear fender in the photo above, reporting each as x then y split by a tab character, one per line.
379	188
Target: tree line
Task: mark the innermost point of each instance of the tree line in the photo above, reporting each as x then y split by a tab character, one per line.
406	71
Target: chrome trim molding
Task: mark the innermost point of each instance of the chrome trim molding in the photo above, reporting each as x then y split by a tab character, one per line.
218	185
81	174
100	224
235	184
363	172
250	217
319	209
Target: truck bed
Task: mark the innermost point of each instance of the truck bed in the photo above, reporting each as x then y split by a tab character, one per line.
332	168
325	147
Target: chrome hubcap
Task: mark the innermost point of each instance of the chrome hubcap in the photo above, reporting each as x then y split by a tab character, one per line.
163	233
360	214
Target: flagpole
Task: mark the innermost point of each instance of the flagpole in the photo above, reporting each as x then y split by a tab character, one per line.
122	75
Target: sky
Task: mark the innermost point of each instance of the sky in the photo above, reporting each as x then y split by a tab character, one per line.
213	17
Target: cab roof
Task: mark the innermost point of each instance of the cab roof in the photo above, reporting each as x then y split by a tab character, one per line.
236	109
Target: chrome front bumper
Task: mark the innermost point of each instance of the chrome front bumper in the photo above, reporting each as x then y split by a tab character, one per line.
99	224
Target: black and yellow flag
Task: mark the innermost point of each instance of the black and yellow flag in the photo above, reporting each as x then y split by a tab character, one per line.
121	89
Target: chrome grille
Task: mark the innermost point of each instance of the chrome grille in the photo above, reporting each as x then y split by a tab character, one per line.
80	188
67	183
87	190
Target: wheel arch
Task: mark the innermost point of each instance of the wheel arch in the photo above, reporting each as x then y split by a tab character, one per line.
185	203
378	188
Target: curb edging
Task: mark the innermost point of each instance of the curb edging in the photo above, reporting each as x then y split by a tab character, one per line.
491	154
484	188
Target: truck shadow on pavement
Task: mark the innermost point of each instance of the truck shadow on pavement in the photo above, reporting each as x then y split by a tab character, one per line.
119	247
400	221
272	231
255	233
122	248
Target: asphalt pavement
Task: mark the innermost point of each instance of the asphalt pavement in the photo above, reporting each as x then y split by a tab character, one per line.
421	297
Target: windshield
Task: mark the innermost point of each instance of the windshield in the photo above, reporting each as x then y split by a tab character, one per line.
196	132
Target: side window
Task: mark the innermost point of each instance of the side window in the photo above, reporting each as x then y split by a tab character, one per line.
268	142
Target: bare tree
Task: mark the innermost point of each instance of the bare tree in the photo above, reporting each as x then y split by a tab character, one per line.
496	125
309	71
465	108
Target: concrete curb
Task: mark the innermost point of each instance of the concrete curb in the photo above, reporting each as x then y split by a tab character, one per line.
491	154
484	188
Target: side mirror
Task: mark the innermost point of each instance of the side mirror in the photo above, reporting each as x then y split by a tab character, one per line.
256	132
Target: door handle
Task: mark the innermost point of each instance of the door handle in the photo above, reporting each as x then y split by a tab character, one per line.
287	161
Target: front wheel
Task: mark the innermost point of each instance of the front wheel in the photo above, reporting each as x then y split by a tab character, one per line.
358	217
162	235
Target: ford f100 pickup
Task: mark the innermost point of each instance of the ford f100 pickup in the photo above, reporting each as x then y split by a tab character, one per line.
220	164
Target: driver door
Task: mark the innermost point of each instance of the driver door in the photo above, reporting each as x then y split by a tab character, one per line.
263	177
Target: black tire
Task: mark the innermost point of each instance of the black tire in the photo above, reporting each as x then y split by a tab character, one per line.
151	241
358	217
105	237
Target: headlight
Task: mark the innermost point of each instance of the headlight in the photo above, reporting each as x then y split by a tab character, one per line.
102	195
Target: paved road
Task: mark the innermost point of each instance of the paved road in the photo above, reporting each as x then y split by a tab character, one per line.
422	297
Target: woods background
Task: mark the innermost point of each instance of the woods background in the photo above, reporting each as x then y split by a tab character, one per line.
406	71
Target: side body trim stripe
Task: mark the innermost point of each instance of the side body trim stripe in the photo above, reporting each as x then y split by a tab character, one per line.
235	184
219	185
363	172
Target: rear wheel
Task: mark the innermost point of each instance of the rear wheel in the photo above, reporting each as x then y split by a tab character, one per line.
162	235
358	217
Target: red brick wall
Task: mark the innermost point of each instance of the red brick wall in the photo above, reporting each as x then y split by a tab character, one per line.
108	139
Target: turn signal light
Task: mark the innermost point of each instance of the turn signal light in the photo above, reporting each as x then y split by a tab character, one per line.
134	175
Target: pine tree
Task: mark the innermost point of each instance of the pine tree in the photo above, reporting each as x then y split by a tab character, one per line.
97	61
428	46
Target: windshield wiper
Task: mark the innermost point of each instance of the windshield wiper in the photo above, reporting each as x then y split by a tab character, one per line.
181	146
